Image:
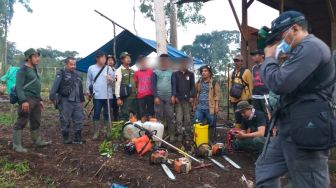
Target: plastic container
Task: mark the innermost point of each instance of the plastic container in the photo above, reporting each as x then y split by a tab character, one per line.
130	131
201	134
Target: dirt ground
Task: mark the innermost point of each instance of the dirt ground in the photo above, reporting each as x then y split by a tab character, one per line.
73	166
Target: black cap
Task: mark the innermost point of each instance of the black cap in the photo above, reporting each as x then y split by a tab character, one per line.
283	22
257	52
205	67
100	54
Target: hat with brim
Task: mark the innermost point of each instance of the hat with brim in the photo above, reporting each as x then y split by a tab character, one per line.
281	24
124	54
257	52
242	105
30	52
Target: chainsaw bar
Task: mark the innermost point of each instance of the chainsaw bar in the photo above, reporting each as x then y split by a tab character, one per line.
218	164
168	172
231	162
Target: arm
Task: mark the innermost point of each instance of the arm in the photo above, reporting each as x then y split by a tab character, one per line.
20	80
249	80
259	133
285	79
89	80
192	85
217	96
118	82
154	85
55	86
136	79
174	84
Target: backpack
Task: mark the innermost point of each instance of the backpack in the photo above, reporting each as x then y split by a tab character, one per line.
13	97
66	86
237	89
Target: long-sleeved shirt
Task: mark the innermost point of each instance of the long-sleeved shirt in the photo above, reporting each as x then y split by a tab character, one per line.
102	88
144	82
299	74
25	75
183	85
247	78
76	94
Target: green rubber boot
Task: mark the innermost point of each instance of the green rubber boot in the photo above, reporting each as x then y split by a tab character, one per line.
17	142
37	138
107	130
95	130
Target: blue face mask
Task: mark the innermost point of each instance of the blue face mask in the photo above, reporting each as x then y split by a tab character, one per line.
283	47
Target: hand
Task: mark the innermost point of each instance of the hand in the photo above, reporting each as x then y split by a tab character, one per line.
270	50
119	102
41	105
240	134
177	100
109	78
191	100
216	109
157	101
173	100
25	107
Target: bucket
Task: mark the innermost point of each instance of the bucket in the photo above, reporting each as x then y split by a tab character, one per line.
201	134
157	127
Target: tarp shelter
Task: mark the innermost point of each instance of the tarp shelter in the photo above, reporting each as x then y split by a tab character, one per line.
127	41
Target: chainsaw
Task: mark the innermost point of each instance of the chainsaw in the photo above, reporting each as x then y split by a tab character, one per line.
182	165
206	151
160	156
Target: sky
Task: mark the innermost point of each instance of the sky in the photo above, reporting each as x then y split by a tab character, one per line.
73	25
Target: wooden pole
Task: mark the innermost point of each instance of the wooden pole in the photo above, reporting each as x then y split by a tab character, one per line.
282	6
244	45
173	25
237	19
160	26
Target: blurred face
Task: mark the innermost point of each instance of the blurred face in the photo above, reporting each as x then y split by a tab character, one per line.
165	63
71	65
206	73
110	62
246	113
126	61
257	58
34	59
238	63
101	60
143	64
184	64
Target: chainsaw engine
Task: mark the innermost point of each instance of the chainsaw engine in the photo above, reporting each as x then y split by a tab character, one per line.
218	149
159	156
182	165
129	148
204	150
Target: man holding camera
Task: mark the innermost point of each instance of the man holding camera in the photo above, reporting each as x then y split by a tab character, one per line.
304	117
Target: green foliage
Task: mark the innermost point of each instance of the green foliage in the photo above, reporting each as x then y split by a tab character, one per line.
116	131
6	183
186	13
20	167
105	148
215	48
6	119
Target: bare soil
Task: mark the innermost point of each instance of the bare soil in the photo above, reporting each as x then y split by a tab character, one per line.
73	166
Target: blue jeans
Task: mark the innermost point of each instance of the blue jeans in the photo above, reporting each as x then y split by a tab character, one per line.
98	104
202	114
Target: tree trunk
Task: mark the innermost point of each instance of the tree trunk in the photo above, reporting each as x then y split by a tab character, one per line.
160	27
173	24
4	54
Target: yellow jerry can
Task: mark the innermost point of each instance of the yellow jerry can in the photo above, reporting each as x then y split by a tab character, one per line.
201	134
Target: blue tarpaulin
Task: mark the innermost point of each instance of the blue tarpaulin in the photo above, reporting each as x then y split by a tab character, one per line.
127	41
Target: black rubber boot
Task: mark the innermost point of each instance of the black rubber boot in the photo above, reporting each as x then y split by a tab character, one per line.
78	138
66	139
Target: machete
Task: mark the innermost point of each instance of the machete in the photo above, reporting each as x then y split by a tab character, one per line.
231	162
168	172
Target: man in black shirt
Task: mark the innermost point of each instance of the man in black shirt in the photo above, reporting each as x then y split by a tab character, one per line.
253	125
184	93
